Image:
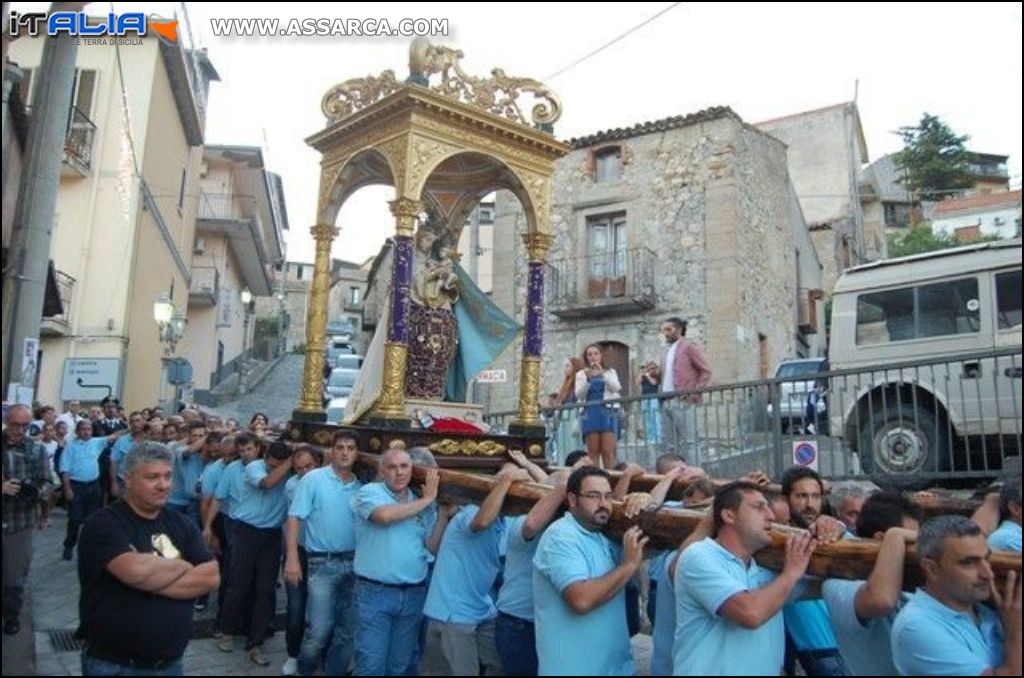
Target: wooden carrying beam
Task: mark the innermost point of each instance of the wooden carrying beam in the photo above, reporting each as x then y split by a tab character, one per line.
667	528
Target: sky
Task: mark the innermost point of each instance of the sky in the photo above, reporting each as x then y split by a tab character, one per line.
960	61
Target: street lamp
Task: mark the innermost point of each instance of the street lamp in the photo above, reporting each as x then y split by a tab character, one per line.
170	321
246	297
163	309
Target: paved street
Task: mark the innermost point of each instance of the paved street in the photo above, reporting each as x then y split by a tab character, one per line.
276	396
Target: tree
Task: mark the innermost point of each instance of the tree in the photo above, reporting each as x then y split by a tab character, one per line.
920	238
933	160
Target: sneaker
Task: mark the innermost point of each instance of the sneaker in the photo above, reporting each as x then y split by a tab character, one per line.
217	634
291	667
69	552
226	643
257	657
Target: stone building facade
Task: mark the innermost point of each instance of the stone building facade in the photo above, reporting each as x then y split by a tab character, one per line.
826	149
692	216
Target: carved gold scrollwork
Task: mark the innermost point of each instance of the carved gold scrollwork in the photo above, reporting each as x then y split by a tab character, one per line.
538	244
406	211
322	437
535	450
498	94
467	448
353	95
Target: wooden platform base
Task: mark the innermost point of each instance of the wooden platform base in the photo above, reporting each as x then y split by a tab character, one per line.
484	451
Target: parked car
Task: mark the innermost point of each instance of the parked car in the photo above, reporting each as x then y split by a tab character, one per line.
340	330
794	393
339	383
348	361
933	343
336	349
336	409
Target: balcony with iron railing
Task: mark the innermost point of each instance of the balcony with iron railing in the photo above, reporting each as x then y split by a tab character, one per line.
204	288
59	325
77	159
594	285
226	206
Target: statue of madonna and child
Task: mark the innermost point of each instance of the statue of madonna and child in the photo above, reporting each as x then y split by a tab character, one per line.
455	330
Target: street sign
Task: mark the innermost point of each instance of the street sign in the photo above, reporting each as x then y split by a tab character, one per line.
805	453
492	377
90	378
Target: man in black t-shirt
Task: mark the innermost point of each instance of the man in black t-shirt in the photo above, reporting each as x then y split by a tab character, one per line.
140	568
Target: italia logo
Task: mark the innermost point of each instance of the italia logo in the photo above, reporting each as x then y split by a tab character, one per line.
82	25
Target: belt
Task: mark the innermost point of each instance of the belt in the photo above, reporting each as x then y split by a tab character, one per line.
390	586
86	482
143	664
329	555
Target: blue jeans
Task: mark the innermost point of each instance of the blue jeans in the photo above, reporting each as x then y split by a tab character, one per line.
330	616
388	621
822	662
517	646
91	666
652	421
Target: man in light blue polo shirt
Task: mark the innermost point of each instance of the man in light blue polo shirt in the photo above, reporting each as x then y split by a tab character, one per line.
945	630
395	538
80	474
322	510
119	451
459	605
1007	537
514	630
259	512
188	469
729	609
579	584
862	612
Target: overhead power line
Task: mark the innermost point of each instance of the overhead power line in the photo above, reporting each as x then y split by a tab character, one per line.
611	42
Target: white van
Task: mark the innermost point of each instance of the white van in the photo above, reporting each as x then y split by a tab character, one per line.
933	343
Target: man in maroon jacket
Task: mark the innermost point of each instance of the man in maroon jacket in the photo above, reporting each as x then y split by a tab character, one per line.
683	368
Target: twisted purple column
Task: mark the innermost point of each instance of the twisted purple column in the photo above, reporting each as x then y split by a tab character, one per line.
533	342
401	279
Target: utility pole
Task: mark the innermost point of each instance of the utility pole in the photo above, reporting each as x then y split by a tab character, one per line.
25	280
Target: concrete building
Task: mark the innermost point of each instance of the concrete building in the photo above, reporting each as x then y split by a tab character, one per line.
291	301
126	212
888	207
239	240
348	291
692	216
982	214
825	151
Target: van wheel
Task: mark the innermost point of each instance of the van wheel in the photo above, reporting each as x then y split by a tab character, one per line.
903	441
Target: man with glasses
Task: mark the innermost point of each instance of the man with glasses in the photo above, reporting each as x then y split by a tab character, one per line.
579	582
26	485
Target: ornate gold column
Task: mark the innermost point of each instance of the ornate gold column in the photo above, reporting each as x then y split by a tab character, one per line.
537	246
311	403
390	409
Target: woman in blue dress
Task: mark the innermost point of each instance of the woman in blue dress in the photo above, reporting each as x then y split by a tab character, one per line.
595	384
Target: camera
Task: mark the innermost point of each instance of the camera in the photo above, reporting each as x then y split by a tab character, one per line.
28	490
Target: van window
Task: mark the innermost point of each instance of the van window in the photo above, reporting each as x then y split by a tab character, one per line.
1008	299
935	310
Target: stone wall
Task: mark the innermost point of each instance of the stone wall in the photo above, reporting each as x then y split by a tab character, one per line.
714	203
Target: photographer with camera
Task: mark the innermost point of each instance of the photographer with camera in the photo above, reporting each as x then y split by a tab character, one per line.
26	485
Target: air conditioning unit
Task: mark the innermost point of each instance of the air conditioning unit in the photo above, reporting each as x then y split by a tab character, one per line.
200	245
